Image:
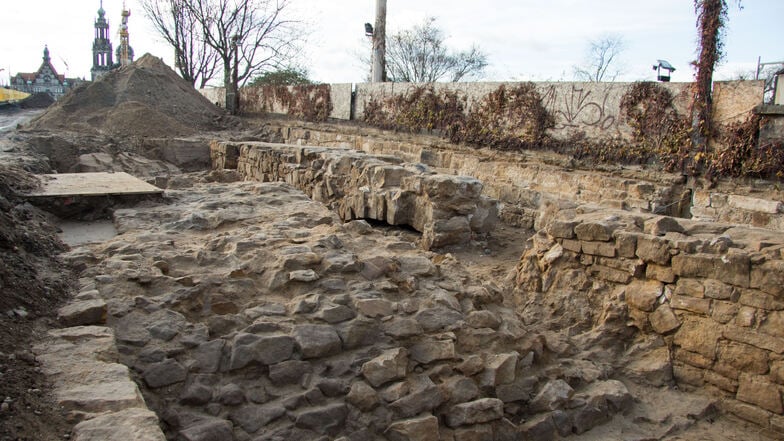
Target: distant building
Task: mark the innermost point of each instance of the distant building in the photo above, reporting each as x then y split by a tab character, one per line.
102	47
45	80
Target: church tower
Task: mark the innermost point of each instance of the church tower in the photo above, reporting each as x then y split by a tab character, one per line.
102	46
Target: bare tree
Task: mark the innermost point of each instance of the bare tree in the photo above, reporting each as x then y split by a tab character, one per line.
419	55
197	62
601	61
248	36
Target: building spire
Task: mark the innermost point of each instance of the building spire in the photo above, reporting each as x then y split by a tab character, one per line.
46	53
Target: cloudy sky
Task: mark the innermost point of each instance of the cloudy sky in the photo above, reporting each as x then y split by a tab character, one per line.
524	39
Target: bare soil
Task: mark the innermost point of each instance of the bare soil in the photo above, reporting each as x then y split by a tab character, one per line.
33	284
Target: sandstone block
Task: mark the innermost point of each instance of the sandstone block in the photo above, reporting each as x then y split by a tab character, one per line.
605	249
362	396
755	204
324	420
428	351
688	375
266	349
423	396
610	274
483	319
475	412
697	306
715	289
653	249
759	391
374	307
747	412
729	268
769	277
626	244
253	417
554	395
562	229
401	327
390	365
700	336
746	317
644	295
100	397
85	312
208	430
660	273
459	389
164	373
745	358
724	312
758	299
593	231
659	226
664	320
690	287
316	341
135	424
574	246
499	369
424	428
654	368
720	381
753	338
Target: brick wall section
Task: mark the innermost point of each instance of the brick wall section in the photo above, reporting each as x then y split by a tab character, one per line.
714	292
446	209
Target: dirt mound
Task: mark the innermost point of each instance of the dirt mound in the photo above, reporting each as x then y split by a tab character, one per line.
145	99
39	100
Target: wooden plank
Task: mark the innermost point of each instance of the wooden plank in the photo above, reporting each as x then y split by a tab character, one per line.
91	184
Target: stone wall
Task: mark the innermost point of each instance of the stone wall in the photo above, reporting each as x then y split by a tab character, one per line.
526	183
713	292
445	209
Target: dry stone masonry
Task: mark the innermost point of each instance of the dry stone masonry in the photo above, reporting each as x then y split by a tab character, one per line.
713	292
247	311
446	209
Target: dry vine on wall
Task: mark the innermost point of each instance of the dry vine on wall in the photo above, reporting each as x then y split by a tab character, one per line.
307	102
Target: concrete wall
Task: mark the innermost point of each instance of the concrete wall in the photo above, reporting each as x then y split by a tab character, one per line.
713	293
592	108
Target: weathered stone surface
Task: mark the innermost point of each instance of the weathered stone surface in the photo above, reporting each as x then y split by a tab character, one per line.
264	349
759	391
662	225
653	249
434	319
499	369
745	358
252	417
700	336
100	397
401	327
423	395
644	295
428	351
605	249
691	304
554	395
336	313
424	428
540	428
478	411
374	307
483	319
230	395
362	396
134	424
664	320
594	231
289	371
460	389
769	277
753	338
389	366
478	432
654	368
324	420
213	429
85	312
164	373
317	340
207	356
729	268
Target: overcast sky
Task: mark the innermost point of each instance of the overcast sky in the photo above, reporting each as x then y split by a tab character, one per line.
524	39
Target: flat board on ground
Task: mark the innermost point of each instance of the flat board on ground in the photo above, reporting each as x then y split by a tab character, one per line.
91	184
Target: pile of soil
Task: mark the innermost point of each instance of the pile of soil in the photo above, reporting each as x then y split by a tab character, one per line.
144	99
40	100
32	286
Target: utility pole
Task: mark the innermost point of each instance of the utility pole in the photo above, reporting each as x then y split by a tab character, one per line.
379	73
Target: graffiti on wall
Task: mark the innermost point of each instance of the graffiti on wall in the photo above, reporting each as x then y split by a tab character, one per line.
576	107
